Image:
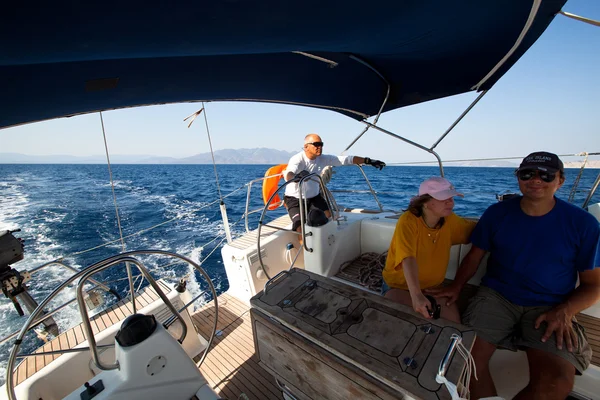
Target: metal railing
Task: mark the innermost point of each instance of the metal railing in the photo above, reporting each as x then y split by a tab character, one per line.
85	275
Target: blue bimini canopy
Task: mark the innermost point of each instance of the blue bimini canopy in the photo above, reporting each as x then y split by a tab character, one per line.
67	58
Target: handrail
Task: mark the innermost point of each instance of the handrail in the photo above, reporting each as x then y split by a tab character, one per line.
168	322
249	184
40	319
370	187
60	263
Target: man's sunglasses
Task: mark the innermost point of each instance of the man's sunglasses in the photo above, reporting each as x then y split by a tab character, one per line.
528	174
316	144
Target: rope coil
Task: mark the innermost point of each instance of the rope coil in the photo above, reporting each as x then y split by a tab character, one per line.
371	268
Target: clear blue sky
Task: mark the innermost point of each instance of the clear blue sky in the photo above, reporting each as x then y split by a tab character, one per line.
549	100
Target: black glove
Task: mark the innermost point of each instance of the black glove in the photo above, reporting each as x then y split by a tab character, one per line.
298	177
376	163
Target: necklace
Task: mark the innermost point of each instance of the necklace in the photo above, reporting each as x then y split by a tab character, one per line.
433	236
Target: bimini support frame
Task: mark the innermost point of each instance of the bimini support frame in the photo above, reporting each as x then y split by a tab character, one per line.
533	13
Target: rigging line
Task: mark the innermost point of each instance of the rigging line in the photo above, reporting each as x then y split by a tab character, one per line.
579	18
212	153
150	228
213	250
112	186
112	183
490	159
577	179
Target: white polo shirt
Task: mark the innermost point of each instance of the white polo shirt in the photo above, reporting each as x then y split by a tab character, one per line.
300	162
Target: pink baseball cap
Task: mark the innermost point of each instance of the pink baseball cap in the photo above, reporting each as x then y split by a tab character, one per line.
438	188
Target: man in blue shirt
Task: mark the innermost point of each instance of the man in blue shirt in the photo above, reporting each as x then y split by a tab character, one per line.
539	246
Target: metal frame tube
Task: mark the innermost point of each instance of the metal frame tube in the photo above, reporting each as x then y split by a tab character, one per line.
42	318
458	119
445	363
10	387
60	263
409	142
85	316
370	187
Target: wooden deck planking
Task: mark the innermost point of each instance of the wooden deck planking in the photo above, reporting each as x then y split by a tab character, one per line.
244	346
75	335
230	366
592	331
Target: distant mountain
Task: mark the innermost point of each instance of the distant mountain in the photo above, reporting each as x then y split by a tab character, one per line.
226	156
577	164
486	163
241	156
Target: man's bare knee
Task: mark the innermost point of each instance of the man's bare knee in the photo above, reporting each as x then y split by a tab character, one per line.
551	385
550	376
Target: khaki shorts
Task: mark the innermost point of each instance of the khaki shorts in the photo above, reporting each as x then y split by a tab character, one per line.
498	321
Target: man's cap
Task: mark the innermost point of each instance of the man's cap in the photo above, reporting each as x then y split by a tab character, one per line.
543	161
438	188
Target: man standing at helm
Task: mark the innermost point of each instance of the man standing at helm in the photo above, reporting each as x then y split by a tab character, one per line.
312	160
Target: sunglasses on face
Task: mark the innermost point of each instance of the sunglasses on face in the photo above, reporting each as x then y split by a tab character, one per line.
316	144
528	174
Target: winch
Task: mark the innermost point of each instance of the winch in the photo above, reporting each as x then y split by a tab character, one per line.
14	282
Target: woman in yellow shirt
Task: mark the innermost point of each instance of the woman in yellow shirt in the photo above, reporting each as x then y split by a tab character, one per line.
420	249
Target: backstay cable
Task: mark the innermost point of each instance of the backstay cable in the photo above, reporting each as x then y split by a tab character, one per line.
112	186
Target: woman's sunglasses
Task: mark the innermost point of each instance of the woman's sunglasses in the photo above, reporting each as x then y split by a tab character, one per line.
528	174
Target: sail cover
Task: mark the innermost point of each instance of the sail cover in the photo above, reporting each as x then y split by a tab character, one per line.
66	58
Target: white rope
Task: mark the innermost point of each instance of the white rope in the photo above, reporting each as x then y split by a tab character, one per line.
461	390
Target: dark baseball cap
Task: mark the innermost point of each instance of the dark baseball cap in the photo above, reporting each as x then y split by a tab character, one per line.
543	161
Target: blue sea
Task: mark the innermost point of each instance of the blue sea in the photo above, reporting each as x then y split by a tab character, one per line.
64	210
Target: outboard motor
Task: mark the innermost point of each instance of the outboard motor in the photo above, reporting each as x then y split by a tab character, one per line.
13	281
